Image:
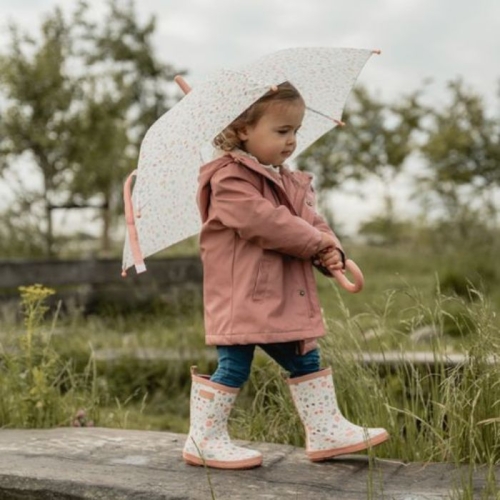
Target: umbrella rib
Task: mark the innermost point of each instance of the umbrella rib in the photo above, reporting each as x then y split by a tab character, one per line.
324	115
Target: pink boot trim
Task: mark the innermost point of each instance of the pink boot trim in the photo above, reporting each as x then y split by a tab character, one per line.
318	456
248	463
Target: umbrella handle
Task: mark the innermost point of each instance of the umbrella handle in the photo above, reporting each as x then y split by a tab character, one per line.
357	275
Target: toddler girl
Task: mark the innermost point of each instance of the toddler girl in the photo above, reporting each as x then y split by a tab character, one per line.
259	240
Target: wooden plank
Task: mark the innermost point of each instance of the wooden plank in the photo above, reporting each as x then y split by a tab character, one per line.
387	358
99	271
417	358
127	464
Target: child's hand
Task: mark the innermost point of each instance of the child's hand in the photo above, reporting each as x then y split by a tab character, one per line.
329	256
331	259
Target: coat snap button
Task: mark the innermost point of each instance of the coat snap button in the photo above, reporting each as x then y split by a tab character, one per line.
302	292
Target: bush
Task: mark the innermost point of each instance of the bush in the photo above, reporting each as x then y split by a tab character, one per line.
37	388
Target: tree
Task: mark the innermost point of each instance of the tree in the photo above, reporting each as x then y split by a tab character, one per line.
376	141
79	100
36	119
463	150
126	94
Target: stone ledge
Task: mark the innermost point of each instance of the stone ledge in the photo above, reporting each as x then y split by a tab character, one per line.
114	464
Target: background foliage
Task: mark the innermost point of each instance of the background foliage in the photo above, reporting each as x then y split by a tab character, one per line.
77	98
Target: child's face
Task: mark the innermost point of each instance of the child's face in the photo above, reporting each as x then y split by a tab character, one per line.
273	138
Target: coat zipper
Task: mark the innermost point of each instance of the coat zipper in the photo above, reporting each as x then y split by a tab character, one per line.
300	203
303	190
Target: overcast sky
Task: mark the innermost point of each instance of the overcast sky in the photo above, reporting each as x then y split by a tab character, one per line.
440	39
419	39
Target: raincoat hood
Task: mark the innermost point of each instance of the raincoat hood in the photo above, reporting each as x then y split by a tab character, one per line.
208	170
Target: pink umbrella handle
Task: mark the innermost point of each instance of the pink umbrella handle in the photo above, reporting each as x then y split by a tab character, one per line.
357	275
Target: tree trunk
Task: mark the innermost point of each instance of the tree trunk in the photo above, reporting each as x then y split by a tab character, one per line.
49	230
106	227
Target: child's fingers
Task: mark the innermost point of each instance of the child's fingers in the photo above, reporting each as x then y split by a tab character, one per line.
332	263
326	250
335	266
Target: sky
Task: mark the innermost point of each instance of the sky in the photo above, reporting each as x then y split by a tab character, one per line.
436	40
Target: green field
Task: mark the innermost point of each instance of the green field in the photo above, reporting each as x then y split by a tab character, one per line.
439	413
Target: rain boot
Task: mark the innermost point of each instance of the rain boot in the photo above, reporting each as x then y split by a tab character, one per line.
208	441
328	433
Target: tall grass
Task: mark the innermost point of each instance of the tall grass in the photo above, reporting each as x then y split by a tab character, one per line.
37	387
433	412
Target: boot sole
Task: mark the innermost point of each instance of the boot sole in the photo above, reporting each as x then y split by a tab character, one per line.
249	463
318	456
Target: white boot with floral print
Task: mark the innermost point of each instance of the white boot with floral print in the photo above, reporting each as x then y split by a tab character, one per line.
208	442
328	433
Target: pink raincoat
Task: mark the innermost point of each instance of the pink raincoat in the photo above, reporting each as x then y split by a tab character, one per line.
257	241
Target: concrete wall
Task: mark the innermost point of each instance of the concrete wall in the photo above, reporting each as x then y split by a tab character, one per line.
90	284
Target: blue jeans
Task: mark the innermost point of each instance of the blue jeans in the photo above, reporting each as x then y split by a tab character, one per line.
235	361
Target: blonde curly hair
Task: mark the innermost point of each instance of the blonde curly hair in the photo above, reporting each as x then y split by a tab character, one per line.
228	139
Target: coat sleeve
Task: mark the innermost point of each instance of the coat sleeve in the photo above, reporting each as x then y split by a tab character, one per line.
321	224
238	203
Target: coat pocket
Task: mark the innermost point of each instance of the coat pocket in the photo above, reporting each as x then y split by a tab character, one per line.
262	278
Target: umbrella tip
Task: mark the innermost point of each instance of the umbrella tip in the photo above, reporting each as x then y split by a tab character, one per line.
376	51
179	80
274	88
340	123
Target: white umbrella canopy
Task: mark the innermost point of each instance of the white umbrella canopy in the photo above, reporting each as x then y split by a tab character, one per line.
163	208
173	150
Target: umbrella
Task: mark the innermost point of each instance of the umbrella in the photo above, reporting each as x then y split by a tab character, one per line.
162	210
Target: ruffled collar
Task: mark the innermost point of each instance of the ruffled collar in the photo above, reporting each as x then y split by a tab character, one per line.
219	152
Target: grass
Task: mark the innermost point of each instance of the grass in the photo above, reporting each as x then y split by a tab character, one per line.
38	387
49	375
433	413
438	414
